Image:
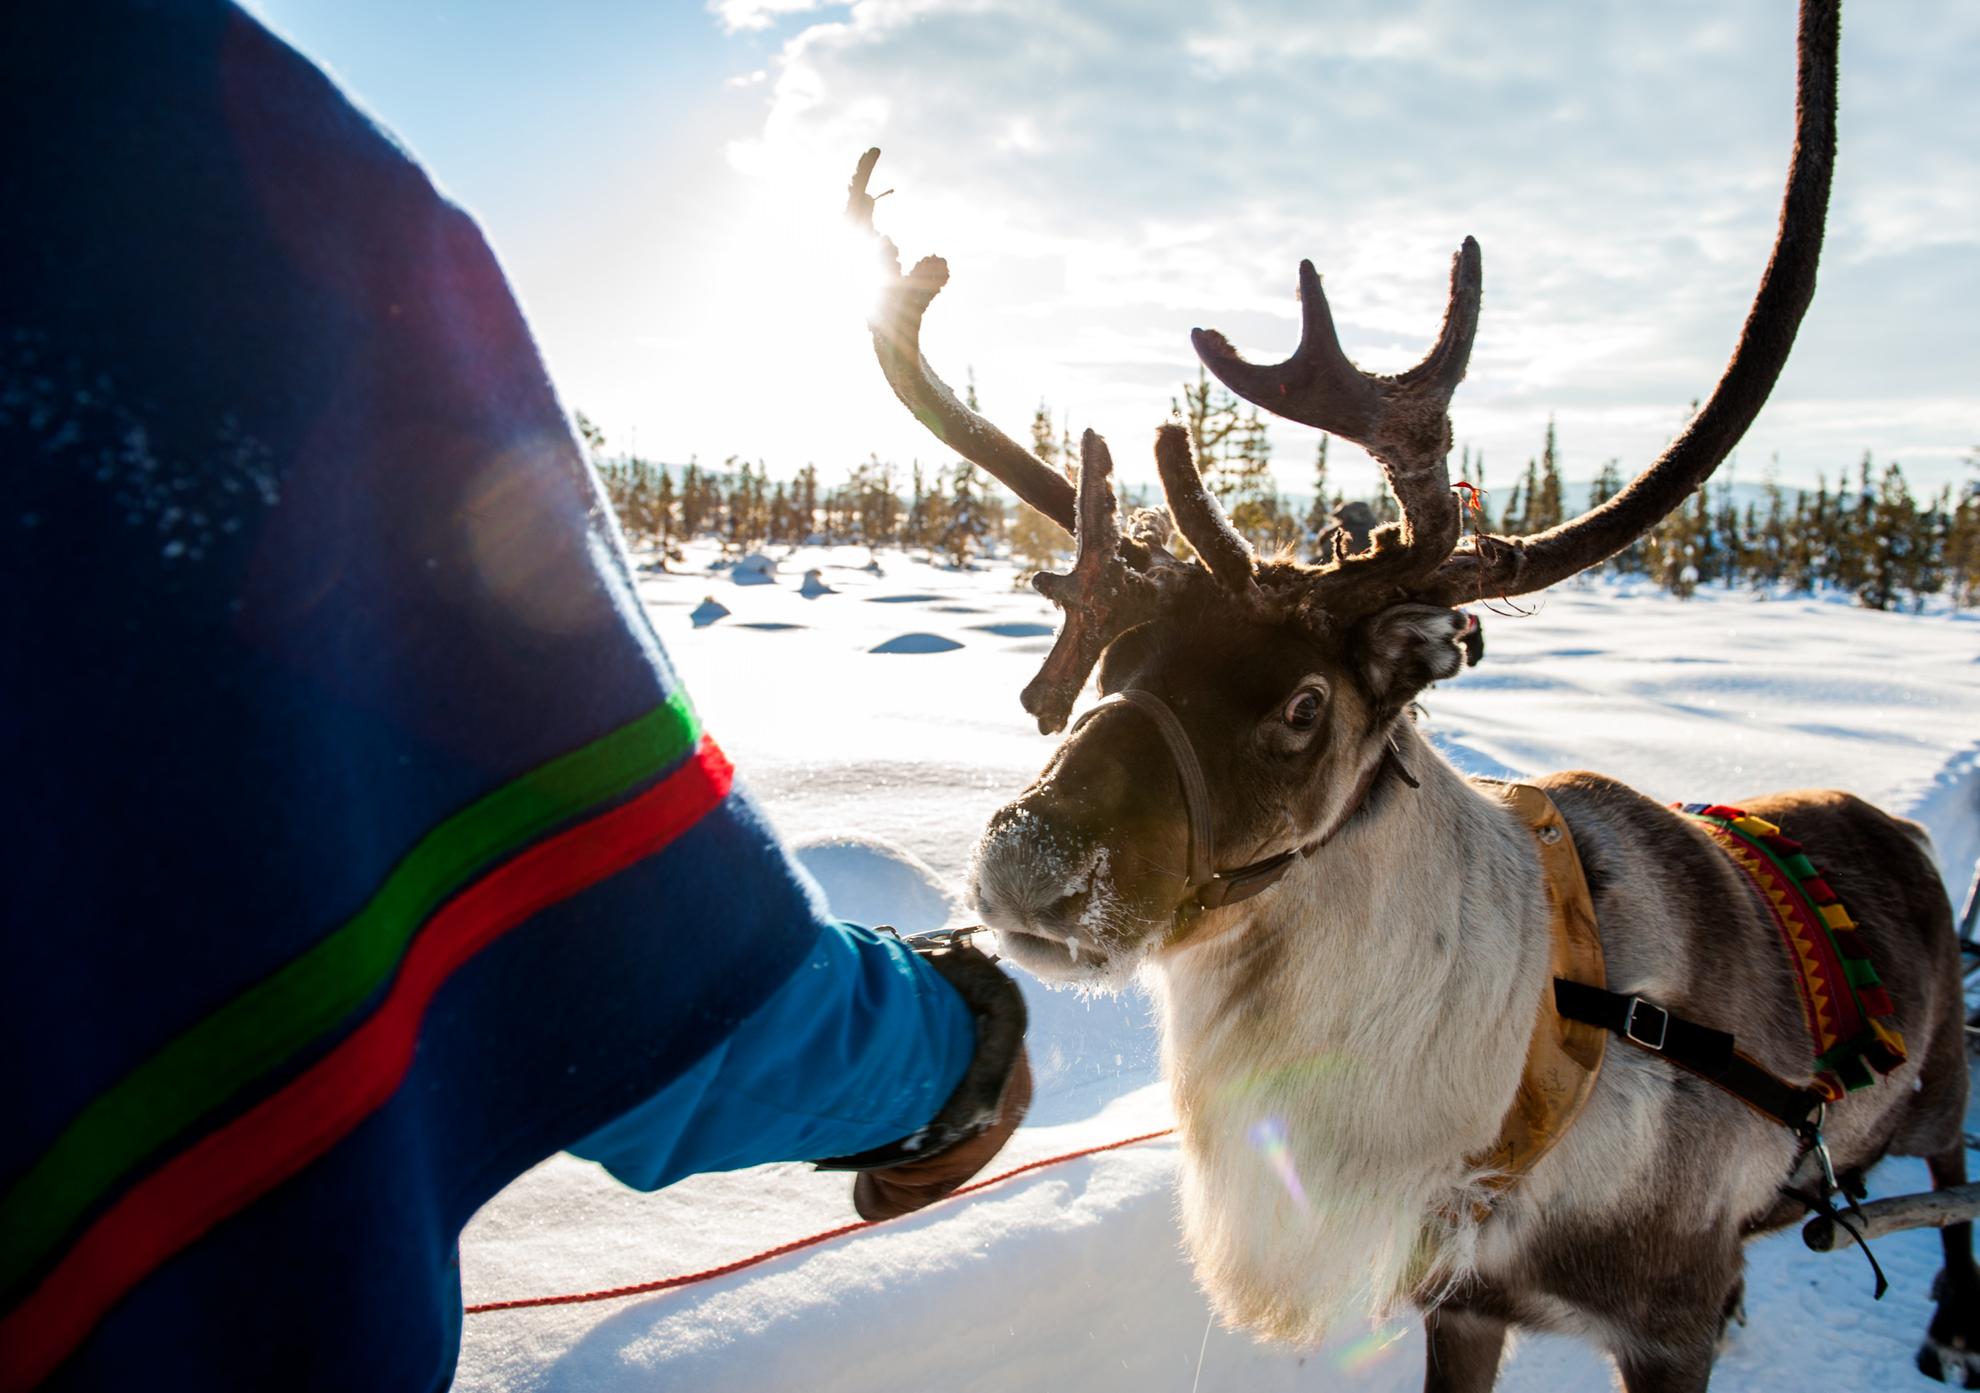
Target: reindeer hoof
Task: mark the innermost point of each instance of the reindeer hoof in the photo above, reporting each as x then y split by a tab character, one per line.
1949	1364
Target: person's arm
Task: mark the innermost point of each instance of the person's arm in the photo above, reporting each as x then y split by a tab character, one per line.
868	1058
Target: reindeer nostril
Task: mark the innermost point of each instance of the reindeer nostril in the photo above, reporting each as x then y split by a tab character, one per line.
1068	909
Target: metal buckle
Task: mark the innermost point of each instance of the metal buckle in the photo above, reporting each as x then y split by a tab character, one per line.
1663	1023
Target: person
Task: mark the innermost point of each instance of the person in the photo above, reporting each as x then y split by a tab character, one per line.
366	848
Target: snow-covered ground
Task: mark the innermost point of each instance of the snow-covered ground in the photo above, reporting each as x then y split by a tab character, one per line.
884	705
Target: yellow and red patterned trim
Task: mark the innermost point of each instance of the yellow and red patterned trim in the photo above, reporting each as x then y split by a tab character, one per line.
1842	1000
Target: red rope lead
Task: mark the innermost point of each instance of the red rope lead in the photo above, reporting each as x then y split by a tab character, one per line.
579	1298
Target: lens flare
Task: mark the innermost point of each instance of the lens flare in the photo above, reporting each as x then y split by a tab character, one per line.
1269	1136
1370	1350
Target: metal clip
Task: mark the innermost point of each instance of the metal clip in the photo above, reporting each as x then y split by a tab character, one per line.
1820	1146
944	938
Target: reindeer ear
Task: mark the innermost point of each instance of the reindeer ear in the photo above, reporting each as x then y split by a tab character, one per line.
1405	648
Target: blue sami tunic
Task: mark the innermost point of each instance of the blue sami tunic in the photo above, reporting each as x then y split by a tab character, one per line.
364	848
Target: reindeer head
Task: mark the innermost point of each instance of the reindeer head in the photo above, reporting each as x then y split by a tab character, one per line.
1251	705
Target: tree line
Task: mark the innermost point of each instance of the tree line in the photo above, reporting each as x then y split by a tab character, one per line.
1870	537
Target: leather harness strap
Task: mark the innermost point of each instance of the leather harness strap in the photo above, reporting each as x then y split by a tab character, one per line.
1210	888
1563	1056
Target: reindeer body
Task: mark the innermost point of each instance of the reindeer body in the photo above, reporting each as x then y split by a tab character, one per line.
1379	1023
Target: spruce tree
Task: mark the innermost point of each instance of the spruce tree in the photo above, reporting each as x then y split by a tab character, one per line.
1962	549
1319	514
1214	420
1544	506
1035	539
1250	494
804	501
664	504
965	526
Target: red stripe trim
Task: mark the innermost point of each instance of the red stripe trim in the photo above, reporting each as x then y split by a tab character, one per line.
232	1167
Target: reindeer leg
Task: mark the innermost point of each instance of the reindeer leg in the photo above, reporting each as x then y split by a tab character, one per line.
1734	1313
1462	1351
1951	1352
1667	1370
1678	1334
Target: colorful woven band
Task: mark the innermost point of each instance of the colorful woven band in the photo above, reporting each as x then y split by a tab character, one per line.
1846	1008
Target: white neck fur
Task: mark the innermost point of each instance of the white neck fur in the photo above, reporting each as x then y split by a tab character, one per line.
1338	1054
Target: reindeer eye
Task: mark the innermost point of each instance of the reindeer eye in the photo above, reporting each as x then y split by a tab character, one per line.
1303	710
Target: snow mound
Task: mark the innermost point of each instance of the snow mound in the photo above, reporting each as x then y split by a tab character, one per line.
1016	629
755	569
871	881
814	585
916	643
708	611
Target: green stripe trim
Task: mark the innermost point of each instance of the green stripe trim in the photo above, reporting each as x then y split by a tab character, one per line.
1861	974
1786	868
272	1020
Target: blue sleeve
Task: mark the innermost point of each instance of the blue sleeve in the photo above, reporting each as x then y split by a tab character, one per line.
860	1047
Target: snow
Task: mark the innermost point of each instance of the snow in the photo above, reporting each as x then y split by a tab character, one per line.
754	569
873	882
1073	1276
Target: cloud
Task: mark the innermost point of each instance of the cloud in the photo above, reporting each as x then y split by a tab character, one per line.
1104	176
739	15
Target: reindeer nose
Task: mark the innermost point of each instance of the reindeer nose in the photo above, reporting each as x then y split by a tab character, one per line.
1031	868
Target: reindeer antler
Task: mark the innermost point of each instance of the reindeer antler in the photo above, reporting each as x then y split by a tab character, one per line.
1115	582
1403	420
1517	566
896	326
1101	595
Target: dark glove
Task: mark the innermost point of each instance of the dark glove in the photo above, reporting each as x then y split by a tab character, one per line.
891	1191
979	1116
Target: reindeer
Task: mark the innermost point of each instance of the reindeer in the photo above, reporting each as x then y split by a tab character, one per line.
1357	993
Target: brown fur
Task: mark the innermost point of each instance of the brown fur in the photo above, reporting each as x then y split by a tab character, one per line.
1681	923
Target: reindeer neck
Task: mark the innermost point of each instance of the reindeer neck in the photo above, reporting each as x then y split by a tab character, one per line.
1418	934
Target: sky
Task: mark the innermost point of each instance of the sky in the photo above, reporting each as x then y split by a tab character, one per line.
664	184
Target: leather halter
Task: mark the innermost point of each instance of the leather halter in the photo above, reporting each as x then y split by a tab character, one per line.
1206	887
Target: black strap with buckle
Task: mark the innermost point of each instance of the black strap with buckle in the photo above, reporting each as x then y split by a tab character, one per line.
1698	1049
1710	1054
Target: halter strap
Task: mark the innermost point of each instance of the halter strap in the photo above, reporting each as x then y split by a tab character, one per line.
1196	793
1210	888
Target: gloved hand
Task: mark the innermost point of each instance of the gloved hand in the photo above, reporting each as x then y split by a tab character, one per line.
892	1191
979	1116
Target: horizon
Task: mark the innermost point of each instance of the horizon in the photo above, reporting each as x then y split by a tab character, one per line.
664	186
